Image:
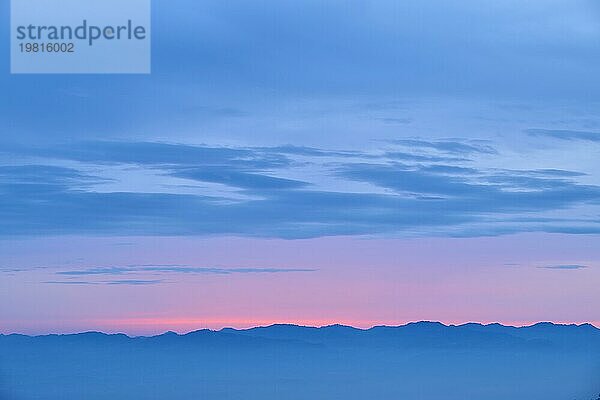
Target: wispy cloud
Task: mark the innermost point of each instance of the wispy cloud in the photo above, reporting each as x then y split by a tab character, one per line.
46	176
405	156
565	134
158	154
132	282
566	267
179	269
237	178
448	146
395	121
428	191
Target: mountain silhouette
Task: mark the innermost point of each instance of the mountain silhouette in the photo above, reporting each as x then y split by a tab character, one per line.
415	361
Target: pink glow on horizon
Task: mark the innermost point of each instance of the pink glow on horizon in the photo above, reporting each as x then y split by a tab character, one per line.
356	281
155	326
183	325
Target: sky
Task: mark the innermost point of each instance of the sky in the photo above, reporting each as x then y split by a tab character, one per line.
310	162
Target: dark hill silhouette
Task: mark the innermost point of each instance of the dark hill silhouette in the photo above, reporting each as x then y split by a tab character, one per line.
414	361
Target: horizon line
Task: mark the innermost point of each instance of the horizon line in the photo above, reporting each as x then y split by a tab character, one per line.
594	325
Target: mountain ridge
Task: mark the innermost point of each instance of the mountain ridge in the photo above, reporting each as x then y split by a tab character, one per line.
287	361
543	324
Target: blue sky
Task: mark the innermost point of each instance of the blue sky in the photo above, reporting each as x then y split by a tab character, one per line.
224	63
309	120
